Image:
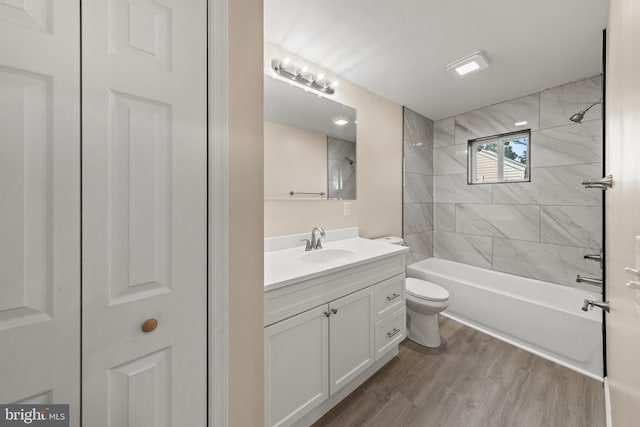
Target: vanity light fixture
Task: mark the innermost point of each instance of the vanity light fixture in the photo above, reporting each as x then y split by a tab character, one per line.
340	122
303	76
522	123
470	64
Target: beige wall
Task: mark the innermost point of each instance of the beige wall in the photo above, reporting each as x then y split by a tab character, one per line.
246	282
293	152
623	210
378	208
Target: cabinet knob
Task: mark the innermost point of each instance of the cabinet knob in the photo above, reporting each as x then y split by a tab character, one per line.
334	310
326	313
149	325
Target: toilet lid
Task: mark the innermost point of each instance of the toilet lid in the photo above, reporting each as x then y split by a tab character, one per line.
426	290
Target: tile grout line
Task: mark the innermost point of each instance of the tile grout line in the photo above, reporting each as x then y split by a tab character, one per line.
540	221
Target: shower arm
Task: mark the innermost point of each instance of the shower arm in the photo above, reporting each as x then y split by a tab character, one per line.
591	106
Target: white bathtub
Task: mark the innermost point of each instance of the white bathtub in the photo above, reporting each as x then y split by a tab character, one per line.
540	317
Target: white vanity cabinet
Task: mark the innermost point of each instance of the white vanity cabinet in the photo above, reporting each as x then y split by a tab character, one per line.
300	350
326	335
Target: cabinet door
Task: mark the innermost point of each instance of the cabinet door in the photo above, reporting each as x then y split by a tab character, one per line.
296	366
351	328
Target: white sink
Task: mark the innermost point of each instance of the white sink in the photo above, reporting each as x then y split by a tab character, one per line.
322	256
286	262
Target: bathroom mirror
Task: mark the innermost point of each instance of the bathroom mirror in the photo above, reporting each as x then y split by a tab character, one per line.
309	145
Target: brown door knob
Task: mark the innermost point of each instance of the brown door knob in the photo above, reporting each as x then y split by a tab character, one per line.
149	325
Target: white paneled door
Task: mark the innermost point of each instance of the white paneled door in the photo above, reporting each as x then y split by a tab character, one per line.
623	212
40	203
144	212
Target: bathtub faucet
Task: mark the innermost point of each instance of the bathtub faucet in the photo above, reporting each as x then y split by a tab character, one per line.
589	304
596	257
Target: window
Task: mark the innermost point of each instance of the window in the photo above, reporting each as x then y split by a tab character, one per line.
500	158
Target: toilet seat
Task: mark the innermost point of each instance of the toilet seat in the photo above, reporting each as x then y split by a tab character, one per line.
426	290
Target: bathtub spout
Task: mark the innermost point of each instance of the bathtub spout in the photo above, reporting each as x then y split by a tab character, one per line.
589	304
585	306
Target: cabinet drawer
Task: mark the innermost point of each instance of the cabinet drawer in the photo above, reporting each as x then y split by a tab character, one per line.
389	296
390	331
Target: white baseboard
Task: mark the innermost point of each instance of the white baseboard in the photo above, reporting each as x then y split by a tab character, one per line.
607	402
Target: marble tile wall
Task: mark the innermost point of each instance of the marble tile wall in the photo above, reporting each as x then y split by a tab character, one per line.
540	229
417	215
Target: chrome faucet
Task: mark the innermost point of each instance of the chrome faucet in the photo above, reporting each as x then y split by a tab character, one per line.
307	246
315	244
596	257
589	304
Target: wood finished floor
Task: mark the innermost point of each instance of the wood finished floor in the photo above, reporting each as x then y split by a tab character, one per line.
471	380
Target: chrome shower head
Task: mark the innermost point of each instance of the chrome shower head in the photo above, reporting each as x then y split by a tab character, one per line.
579	116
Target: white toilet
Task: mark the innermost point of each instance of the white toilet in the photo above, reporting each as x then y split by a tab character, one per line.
424	301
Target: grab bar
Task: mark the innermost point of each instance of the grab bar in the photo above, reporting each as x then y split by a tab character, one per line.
293	193
602	183
589	280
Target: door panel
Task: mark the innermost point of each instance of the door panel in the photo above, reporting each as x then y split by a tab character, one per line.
351	328
40	199
623	211
140	208
129	385
144	212
33	14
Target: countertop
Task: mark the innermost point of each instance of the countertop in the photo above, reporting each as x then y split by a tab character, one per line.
286	267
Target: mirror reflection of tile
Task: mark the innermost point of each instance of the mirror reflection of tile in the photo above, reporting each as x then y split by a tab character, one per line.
341	156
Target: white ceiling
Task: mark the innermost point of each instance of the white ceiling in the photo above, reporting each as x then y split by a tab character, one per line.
399	49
